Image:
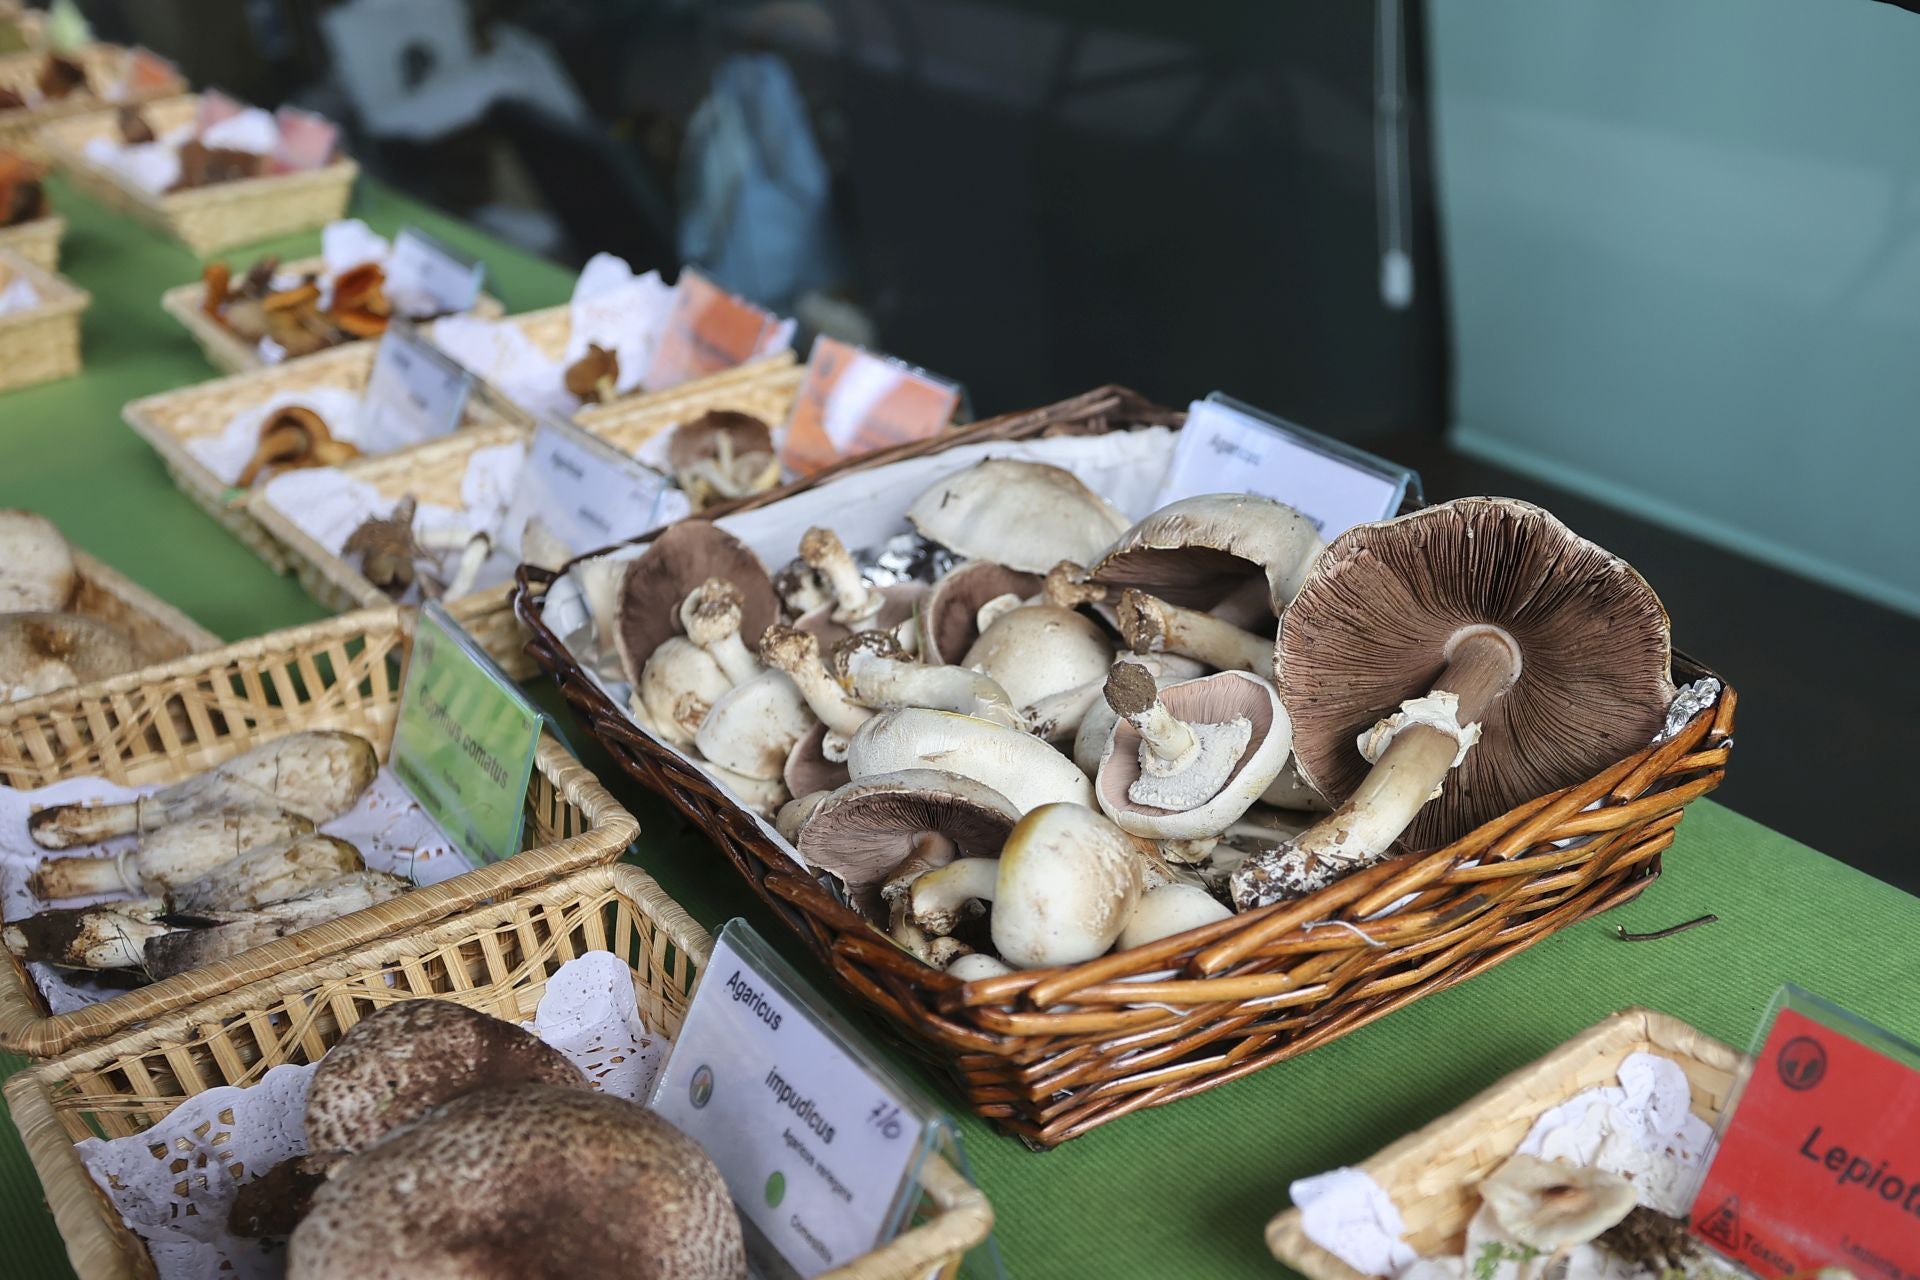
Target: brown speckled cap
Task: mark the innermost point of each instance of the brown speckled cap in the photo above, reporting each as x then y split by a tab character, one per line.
1370	629
699	438
673	565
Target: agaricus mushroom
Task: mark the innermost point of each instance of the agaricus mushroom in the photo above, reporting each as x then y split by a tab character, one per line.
1170	909
1049	657
762	796
752	727
863	833
1554	1205
808	769
1184	762
681	558
796	655
37	572
678	686
949	613
722	454
1522	658
1204	552
978	965
856	606
1090	739
524	1181
880	676
1064	886
1152	625
1024	515
794	813
712	615
1018	765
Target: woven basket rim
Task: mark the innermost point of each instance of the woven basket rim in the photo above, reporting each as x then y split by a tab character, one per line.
59	296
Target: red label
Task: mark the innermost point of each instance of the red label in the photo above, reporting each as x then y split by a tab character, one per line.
708	330
1821	1163
855	402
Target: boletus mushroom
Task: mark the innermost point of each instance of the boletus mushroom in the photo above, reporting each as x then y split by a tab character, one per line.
37	570
1522	659
1235	554
41	652
720	455
524	1182
1024	515
655	584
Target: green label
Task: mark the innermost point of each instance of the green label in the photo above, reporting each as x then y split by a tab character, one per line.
464	746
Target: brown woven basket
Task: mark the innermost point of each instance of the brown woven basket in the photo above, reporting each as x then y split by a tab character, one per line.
43	342
497	959
160	632
1430	1174
20	127
172	721
230	353
169	420
432	472
1049	1054
205	219
37	241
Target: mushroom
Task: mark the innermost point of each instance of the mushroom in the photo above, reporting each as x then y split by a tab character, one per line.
1063	887
1185	761
60	76
752	727
711	616
796	655
1170	909
524	1180
1152	625
293	438
41	652
800	588
1024	515
762	796
1090	739
1522	657
722	454
929	852
1552	1205
681	558
1019	766
23	193
386	547
678	686
949	613
862	833
134	129
794	813
976	966
474	550
594	376
856	606
37	572
1048	657
216	279
269	874
171	856
879	676
1203	552
808	769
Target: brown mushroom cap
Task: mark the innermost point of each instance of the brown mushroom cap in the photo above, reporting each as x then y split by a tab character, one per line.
400	1062
1371	626
808	769
680	559
525	1182
1198	551
949	612
699	438
864	830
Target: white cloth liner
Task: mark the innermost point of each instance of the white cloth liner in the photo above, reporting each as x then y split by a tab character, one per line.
392	832
175	1183
226	453
18	295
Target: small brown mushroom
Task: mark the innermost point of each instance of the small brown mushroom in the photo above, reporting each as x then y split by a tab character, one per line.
291	439
386	548
204	166
134	129
23	193
61	76
722	454
594	375
680	559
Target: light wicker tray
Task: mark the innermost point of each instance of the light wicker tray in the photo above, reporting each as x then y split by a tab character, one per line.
497	958
20	128
160	632
41	343
230	353
1430	1174
432	472
169	420
37	241
205	219
170	722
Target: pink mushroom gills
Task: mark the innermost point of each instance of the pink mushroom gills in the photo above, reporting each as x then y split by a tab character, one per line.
680	559
1237	555
1049	657
1522	659
1025	515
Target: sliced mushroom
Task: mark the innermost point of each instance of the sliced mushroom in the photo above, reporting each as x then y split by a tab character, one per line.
37	571
681	558
949	613
42	652
721	455
1024	515
1522	657
1186	761
1019	766
1201	552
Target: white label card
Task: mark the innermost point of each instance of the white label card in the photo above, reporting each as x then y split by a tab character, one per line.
1225	450
816	1146
426	278
587	492
415	393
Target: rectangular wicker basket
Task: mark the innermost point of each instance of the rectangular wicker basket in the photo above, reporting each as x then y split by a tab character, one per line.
171	721
169	420
160	632
230	353
37	241
1050	1054
43	342
1430	1174
20	127
205	219
496	958
432	472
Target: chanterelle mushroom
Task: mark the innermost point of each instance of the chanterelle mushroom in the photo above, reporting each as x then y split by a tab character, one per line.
1522	658
1550	1204
1204	552
1024	515
680	559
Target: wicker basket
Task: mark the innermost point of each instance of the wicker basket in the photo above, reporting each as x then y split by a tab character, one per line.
160	632
230	353
1430	1174
170	722
37	241
497	958
1049	1054
43	342
205	219
20	128
432	472
169	420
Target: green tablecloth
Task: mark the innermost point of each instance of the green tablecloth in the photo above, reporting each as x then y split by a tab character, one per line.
1181	1191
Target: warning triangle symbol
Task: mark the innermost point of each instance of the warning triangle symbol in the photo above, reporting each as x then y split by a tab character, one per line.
1723	1225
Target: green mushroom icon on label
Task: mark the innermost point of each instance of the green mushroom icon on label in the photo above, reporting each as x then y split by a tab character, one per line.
776	1189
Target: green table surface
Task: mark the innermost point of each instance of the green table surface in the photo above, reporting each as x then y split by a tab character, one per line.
1184	1190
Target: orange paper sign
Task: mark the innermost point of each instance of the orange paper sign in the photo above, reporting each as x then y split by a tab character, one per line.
854	402
708	330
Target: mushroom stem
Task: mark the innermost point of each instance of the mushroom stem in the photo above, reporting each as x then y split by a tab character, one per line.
1066	585
854	600
1058	716
1423	743
797	653
467	571
886	683
941	897
711	616
1182	765
1151	625
995	609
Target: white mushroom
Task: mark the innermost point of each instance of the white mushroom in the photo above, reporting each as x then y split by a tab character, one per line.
1019	766
793	815
854	601
1090	739
678	686
1170	909
37	571
752	727
1553	1205
1024	515
795	654
1044	655
763	796
887	683
711	617
1234	554
977	966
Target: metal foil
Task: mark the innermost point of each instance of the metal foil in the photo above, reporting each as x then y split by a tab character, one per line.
1688	703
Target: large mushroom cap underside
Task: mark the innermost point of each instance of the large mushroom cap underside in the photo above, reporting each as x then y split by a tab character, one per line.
1214	699
865	829
674	564
698	439
1198	551
525	1182
1370	629
1024	515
